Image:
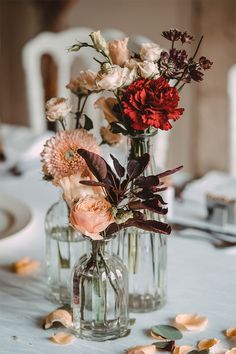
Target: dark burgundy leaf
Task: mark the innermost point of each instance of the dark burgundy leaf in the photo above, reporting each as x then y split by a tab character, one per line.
95	184
136	166
151	225
152	205
119	169
169	172
143	181
133	169
96	164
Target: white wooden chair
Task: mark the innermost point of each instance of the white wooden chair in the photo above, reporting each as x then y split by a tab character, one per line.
55	44
232	119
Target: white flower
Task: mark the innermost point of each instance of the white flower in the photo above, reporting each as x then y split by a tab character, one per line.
57	109
99	42
115	78
150	51
147	69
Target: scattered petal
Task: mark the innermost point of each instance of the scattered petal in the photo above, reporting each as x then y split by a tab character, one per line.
191	322
182	349
231	333
25	266
61	316
62	338
142	349
208	343
231	351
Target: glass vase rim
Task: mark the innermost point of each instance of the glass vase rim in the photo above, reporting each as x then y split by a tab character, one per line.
143	135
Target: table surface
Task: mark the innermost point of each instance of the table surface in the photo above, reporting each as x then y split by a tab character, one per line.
201	279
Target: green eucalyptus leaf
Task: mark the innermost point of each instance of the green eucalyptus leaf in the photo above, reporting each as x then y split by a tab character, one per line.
161	344
168	332
204	351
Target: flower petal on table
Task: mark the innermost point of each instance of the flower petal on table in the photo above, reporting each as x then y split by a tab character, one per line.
25	266
61	316
62	338
231	351
182	349
142	349
191	322
208	343
231	333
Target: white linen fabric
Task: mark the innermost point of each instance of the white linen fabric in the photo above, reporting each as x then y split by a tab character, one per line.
201	280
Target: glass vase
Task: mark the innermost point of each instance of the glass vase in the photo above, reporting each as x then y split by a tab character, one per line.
100	295
144	253
63	247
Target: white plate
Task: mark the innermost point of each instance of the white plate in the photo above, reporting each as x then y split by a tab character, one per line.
14	216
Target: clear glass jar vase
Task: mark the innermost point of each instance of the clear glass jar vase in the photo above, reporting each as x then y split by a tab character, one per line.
100	295
144	253
63	247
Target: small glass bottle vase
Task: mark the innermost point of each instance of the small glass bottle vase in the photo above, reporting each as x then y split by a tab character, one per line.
100	295
144	253
63	247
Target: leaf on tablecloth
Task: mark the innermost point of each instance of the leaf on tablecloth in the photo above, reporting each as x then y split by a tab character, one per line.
166	331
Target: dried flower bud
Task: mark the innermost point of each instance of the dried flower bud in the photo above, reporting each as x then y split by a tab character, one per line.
186	38
99	42
75	47
172	35
205	63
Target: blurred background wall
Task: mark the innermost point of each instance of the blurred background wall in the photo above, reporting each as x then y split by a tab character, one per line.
200	139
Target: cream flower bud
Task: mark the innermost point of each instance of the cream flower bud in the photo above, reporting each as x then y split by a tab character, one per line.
150	51
147	69
116	78
99	42
57	109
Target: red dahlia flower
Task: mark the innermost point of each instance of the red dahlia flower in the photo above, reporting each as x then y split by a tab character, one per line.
151	103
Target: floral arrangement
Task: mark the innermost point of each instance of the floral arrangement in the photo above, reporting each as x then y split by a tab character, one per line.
102	201
145	85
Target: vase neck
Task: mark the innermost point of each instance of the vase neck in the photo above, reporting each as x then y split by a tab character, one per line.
97	248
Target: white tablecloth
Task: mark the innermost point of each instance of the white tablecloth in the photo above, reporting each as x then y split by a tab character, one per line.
201	279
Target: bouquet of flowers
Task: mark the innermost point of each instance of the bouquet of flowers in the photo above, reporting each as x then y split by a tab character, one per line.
145	85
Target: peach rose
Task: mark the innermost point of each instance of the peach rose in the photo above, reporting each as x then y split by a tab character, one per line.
86	81
106	105
73	190
57	109
141	349
118	51
150	51
91	215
